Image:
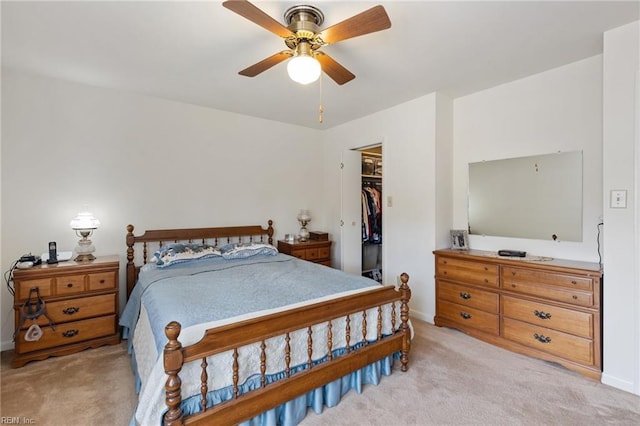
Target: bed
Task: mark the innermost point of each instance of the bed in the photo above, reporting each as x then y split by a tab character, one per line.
259	336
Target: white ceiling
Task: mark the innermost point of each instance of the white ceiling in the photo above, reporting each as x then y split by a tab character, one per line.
191	51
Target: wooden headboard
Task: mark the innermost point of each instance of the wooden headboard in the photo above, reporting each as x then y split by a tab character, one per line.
153	239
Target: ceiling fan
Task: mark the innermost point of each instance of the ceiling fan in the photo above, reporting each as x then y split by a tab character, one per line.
304	38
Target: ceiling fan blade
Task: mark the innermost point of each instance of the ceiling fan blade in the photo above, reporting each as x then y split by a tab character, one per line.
369	21
265	64
337	72
254	14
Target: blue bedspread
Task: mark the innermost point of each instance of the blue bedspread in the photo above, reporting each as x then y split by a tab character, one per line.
215	289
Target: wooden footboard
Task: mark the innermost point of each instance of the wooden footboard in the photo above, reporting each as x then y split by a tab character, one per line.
234	336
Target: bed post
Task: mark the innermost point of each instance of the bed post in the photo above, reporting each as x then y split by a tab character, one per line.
131	266
173	360
404	317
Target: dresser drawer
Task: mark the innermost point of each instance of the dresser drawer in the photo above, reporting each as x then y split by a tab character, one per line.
467	271
45	287
70	332
74	309
71	284
547	278
467	296
561	294
468	317
102	281
561	319
311	254
324	252
554	342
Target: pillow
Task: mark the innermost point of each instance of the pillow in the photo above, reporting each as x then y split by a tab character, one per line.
244	250
174	253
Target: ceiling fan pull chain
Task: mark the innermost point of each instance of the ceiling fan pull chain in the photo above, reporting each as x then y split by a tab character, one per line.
321	109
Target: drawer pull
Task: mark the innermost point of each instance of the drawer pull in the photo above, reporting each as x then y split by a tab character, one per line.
541	314
101	281
486	281
573	282
465	295
69	285
574	297
70	333
70	310
542	338
465	315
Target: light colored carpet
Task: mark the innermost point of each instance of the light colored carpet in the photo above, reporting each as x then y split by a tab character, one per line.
453	379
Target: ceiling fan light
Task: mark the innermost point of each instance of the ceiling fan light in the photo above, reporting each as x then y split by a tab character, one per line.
304	69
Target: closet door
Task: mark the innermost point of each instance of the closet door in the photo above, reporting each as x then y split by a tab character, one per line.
351	230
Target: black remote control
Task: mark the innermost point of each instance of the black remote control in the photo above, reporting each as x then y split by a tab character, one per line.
512	253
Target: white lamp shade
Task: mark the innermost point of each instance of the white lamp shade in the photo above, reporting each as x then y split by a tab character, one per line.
304	215
84	220
304	69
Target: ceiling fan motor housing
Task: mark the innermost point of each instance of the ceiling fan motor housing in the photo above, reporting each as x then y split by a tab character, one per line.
304	22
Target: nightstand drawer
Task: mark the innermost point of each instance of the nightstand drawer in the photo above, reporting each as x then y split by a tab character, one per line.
311	254
300	254
313	251
44	285
69	285
103	281
324	252
70	332
75	309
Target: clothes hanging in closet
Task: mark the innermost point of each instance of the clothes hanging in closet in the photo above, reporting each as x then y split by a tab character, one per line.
371	215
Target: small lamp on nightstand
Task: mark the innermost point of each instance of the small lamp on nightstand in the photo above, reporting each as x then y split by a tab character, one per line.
84	224
304	217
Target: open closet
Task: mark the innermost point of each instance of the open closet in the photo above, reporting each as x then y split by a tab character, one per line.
371	196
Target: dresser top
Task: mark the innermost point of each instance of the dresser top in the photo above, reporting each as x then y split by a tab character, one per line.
543	262
70	266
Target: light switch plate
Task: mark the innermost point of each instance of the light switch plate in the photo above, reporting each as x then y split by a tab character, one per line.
618	199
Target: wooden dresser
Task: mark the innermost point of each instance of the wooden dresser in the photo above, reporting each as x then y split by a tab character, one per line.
313	251
81	299
546	308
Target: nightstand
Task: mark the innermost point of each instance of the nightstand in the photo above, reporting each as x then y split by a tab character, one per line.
313	251
81	299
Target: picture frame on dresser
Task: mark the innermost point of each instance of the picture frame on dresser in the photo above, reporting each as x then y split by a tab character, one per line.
459	239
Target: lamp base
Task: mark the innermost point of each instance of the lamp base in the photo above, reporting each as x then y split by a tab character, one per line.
85	258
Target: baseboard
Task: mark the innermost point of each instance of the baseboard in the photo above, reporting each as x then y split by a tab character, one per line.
7	345
617	383
421	316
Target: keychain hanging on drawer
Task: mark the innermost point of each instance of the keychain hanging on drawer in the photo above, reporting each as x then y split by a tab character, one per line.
32	308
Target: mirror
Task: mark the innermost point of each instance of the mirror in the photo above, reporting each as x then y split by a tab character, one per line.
538	197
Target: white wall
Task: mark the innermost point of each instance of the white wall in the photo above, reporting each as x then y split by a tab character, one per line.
621	171
409	136
62	124
558	110
562	110
140	160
